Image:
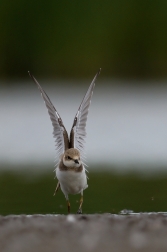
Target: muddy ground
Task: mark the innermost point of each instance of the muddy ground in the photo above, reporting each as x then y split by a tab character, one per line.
78	233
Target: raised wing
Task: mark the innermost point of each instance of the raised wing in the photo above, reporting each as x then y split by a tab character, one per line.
78	131
59	131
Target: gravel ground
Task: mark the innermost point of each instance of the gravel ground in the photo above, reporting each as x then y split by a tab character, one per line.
105	232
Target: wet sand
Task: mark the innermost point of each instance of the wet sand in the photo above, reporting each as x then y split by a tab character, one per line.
78	233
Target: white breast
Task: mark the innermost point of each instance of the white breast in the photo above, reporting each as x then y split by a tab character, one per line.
72	182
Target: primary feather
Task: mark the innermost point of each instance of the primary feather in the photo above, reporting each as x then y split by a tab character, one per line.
59	131
79	125
78	131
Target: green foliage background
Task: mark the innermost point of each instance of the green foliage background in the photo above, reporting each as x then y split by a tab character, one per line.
127	39
24	193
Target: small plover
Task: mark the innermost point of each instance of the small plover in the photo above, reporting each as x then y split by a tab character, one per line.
70	170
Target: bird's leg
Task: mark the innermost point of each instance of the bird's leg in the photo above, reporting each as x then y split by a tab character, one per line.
68	206
57	188
80	205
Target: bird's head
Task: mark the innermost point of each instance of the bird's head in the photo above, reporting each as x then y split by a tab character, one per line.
71	158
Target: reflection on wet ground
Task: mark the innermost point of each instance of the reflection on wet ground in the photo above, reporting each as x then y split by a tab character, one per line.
131	212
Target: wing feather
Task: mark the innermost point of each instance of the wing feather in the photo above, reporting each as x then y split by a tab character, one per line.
59	131
78	131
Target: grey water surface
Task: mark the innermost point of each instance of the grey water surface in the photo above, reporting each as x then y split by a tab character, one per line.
127	123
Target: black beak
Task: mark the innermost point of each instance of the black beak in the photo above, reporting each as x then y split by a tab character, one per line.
76	161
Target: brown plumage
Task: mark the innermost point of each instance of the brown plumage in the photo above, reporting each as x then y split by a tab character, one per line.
70	171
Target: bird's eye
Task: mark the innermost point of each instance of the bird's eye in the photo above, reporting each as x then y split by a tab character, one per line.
69	157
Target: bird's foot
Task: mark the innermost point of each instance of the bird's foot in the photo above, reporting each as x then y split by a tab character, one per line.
79	211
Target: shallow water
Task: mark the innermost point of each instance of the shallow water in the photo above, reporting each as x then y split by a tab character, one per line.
127	123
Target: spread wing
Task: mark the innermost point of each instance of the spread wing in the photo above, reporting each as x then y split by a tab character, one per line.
59	131
78	131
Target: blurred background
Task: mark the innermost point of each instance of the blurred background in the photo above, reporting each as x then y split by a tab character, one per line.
64	44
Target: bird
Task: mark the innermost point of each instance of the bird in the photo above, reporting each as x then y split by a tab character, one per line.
70	169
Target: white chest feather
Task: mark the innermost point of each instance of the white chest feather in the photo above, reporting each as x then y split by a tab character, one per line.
71	182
